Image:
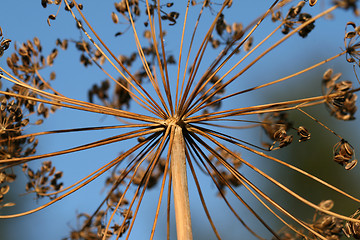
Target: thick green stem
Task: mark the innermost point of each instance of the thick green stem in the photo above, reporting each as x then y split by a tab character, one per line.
180	187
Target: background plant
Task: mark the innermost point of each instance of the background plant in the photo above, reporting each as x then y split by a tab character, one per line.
279	64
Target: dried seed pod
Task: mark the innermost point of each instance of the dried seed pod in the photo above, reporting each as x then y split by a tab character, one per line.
312	2
2	177
327	74
248	44
346	149
9	204
303	133
71	5
44	3
10	178
351	164
280	134
30	173
4	189
5	44
352	228
343	153
343	86
141	139
327	204
304	17
286	141
114	17
51	17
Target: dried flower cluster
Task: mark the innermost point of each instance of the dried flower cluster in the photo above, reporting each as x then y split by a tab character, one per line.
174	115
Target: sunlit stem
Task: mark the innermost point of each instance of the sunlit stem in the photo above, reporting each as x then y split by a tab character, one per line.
180	186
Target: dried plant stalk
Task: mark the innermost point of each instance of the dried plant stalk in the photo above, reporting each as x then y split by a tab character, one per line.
180	186
179	122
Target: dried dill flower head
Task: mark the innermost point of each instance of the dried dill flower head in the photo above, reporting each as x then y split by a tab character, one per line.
174	104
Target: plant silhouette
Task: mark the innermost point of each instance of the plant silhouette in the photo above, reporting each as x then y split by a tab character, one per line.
176	92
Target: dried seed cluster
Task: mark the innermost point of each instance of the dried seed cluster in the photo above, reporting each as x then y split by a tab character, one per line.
94	226
351	43
342	102
293	18
275	126
119	98
348	4
352	229
145	170
5	178
25	63
28	59
228	34
12	124
43	180
344	154
328	226
4	43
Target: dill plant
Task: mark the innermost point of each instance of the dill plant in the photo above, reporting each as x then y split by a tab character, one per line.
184	123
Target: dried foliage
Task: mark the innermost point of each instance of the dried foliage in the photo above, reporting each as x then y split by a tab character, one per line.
173	112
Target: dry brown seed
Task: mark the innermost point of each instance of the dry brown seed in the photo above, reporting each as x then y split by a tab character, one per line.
326	204
44	3
248	44
351	164
40	108
43	180
280	134
5	44
64	44
52	76
10	178
350	34
136	10
114	17
25	122
147	34
341	159
2	177
5	189
286	141
346	150
31	139
312	2
327	74
347	230
37	43
9	204
58	175
38	122
303	133
23	52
